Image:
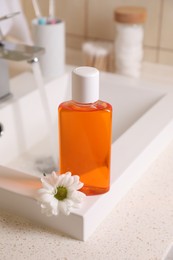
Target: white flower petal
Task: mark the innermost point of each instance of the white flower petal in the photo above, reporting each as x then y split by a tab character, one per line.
77	205
64	207
53	179
55	211
68	180
77	196
43	190
63	178
54	203
49	209
60	180
45	197
68	174
46	184
76	185
80	185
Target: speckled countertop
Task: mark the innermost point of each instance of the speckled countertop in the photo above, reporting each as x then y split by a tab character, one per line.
140	227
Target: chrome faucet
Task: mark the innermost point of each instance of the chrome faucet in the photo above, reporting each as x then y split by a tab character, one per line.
14	52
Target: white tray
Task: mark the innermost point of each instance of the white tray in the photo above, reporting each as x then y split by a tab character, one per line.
142	127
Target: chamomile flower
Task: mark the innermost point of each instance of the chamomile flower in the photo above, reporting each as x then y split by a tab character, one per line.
60	193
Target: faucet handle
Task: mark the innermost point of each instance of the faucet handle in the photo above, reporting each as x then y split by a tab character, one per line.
7	16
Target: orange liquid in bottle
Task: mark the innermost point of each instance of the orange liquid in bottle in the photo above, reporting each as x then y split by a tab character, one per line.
85	143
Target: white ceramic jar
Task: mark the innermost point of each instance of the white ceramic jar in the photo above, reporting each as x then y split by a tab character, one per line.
129	40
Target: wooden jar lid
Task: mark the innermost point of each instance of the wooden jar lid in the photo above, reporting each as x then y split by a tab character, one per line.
130	14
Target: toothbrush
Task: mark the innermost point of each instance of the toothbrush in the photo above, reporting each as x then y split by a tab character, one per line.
38	14
52	8
52	19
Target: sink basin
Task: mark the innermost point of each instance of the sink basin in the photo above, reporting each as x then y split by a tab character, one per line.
142	127
26	133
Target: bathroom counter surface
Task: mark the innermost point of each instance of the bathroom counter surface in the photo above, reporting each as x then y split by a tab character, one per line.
140	227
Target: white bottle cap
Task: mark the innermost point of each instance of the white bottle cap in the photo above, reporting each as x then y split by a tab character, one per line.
85	84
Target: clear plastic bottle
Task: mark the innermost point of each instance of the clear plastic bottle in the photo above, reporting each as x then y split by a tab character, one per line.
85	128
129	40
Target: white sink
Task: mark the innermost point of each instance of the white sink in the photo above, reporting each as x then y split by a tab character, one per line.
142	127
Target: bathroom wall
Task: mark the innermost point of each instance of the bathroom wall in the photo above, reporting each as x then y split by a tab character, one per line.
93	20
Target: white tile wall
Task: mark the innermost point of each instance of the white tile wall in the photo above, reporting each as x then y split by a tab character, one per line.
73	12
150	54
73	41
166	28
100	23
165	57
93	19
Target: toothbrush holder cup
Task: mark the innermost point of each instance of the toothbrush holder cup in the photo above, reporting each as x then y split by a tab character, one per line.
52	38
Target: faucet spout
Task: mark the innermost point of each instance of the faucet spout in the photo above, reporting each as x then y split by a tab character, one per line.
14	52
19	52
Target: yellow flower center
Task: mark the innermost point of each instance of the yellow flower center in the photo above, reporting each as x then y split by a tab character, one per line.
61	193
